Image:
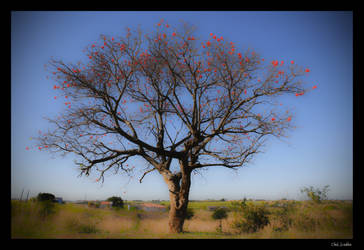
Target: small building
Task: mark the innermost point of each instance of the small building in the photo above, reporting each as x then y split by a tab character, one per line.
105	204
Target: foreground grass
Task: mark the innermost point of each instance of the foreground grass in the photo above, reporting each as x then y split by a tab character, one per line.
329	220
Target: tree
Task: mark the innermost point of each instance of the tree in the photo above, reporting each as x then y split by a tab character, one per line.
46	202
45	197
116	201
316	195
178	104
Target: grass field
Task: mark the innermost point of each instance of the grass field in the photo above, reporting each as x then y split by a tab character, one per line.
327	220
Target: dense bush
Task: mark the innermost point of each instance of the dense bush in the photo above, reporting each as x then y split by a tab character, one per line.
116	201
251	218
219	214
45	197
282	217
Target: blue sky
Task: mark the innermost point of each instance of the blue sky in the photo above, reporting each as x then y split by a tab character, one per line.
318	152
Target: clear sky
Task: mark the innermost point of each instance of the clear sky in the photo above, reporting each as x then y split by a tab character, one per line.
318	152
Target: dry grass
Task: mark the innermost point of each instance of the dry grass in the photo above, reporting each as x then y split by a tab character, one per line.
310	221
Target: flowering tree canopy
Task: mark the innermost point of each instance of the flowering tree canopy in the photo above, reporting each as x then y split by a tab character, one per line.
169	96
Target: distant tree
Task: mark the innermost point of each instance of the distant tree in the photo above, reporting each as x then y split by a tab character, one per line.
47	206
177	103
116	201
45	197
316	195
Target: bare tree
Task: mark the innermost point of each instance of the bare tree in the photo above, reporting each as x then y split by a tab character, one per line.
165	97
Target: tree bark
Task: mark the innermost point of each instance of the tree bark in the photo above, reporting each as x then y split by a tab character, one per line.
179	187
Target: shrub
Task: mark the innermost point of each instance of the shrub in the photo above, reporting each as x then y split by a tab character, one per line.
282	217
316	195
45	197
219	214
251	219
116	201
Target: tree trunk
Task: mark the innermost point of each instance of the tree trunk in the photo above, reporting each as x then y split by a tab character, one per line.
179	187
176	218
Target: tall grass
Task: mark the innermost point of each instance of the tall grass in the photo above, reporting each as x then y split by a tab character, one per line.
287	219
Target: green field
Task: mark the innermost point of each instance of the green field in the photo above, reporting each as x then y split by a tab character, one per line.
329	219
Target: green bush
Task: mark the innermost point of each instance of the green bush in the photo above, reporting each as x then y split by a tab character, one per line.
251	219
219	214
45	197
116	201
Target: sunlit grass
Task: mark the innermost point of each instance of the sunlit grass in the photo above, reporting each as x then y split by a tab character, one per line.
330	219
